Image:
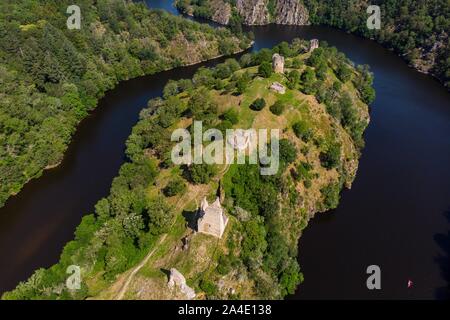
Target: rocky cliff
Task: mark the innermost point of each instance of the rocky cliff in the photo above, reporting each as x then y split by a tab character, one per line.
291	12
256	12
221	12
253	12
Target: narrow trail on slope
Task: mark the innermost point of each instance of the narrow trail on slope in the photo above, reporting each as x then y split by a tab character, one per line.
180	203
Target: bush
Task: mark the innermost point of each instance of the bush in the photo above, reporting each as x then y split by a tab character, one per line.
331	157
308	79
222	71
277	108
231	115
307	183
297	63
290	278
293	79
258	104
169	111
288	152
265	69
334	110
185	84
303	171
233	64
224	265
343	72
208	287
330	196
200	173
160	215
223	126
302	130
242	82
230	86
263	55
174	187
219	84
226	47
246	60
170	89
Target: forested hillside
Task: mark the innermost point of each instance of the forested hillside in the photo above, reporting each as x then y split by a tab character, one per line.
51	77
416	29
149	211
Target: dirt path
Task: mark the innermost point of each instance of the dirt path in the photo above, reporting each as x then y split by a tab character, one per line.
137	268
133	272
125	281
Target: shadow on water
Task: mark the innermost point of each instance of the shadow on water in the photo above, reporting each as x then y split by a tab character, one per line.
443	259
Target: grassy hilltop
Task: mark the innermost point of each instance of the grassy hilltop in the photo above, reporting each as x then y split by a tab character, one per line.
138	231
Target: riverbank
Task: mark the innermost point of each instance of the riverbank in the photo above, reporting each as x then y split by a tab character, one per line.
56	165
399	196
420	37
59	77
318	157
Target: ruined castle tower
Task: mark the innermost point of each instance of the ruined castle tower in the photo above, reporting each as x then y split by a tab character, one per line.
211	218
313	44
278	63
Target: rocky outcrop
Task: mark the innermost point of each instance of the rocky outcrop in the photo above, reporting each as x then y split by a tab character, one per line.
253	12
291	12
426	57
278	87
177	281
221	12
256	12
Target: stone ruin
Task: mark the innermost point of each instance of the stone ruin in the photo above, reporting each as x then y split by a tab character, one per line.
278	87
278	63
177	280
313	44
211	218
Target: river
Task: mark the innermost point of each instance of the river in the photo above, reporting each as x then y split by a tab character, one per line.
396	216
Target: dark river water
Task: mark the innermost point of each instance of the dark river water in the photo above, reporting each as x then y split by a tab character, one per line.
396	216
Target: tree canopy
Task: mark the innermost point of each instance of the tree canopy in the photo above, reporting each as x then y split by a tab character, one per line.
51	77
